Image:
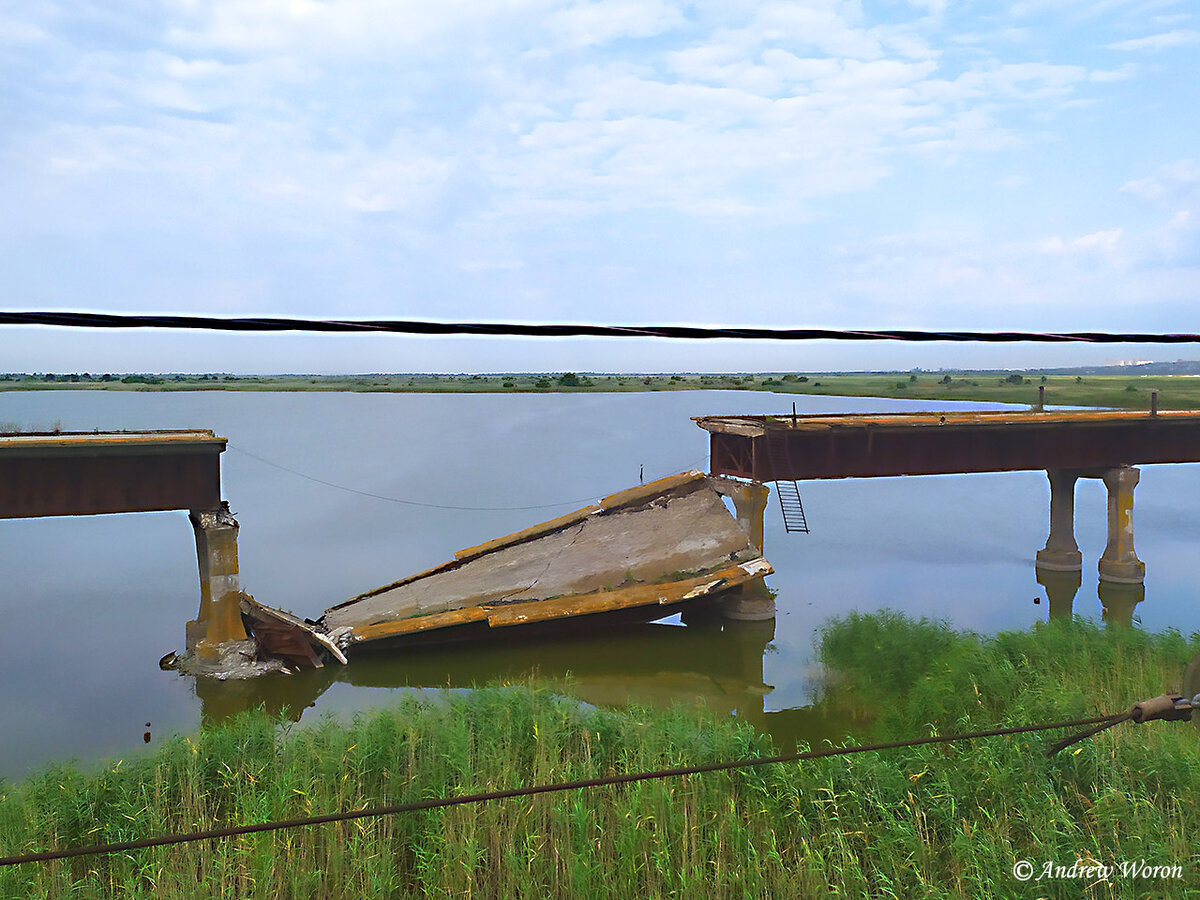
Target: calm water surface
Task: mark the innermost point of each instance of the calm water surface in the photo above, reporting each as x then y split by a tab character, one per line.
89	604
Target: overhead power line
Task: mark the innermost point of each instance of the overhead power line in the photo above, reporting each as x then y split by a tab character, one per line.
517	329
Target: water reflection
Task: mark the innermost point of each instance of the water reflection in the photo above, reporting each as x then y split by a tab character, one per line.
710	660
717	662
1118	600
1061	588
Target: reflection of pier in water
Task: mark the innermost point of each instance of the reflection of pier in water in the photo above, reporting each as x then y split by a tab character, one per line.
712	660
1118	599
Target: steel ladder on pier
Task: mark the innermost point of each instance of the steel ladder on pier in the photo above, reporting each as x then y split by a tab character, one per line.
786	489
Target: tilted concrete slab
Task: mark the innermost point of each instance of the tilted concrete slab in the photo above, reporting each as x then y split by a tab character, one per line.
657	544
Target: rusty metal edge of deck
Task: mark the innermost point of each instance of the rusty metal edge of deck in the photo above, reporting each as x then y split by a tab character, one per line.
94	443
515	614
758	425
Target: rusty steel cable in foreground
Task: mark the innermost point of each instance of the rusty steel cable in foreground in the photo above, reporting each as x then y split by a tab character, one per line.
518	329
442	802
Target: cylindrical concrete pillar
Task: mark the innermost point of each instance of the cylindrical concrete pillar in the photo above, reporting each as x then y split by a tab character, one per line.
1061	553
751	602
749	500
219	618
1119	562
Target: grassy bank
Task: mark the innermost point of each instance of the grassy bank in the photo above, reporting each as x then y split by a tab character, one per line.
944	821
1127	392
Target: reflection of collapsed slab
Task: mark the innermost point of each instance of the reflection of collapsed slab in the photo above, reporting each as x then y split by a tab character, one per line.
657	545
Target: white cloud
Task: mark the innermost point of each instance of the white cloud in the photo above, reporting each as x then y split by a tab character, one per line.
1180	37
337	28
588	149
598	22
1121	73
1169	183
1098	242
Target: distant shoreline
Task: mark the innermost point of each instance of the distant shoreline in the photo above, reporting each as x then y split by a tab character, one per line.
1120	391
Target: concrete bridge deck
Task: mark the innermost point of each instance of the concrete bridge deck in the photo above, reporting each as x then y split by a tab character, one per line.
1068	445
767	448
97	472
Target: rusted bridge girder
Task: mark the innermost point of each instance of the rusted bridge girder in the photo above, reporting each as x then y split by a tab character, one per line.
864	446
90	473
1067	445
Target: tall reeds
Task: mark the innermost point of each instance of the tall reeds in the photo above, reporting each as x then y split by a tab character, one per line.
942	821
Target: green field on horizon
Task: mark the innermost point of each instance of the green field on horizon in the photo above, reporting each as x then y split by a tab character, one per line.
1120	391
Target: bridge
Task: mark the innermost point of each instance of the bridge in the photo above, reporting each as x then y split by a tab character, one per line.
1067	445
93	473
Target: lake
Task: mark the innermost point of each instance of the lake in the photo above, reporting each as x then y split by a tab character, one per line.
90	604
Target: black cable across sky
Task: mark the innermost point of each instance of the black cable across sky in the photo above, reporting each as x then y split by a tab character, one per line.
517	329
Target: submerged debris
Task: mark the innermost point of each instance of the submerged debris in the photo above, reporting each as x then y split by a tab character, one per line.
229	660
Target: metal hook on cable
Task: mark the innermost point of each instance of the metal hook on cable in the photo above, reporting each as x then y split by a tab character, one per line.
1167	707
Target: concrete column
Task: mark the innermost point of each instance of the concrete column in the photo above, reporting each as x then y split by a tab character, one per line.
749	504
750	602
1119	562
1061	553
219	618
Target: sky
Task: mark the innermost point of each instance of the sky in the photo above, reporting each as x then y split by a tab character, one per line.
917	164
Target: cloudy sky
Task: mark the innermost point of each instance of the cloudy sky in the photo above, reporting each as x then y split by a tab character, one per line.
1029	165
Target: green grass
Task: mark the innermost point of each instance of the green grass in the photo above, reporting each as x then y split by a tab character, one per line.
1126	392
939	821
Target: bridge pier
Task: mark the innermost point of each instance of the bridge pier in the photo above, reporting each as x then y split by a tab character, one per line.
749	504
219	618
1120	563
1061	553
750	602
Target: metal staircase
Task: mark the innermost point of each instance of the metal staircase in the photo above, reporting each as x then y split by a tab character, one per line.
786	489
